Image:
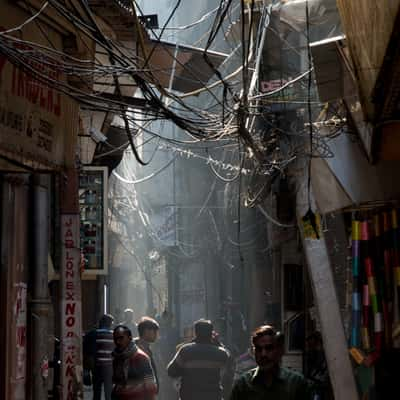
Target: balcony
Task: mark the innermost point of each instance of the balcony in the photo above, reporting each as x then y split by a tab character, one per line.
118	15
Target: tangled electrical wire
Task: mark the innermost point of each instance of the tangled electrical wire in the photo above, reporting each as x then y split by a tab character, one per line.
59	70
98	82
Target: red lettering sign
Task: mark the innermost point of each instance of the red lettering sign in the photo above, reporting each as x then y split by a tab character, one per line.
21	336
70	359
270	86
71	305
69	244
68	233
70	309
69	371
69	274
26	86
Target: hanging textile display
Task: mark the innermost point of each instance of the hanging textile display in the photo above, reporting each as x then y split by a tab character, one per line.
381	311
387	250
376	284
374	296
366	301
356	295
396	256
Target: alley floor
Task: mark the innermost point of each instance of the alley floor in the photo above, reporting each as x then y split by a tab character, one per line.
88	393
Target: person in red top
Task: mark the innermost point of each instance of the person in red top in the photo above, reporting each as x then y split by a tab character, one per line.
133	376
148	329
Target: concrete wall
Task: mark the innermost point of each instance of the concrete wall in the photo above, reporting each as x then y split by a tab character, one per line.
368	25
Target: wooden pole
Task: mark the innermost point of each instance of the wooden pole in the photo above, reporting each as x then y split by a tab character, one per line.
323	284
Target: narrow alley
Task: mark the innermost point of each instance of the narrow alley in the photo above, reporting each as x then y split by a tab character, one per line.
199	199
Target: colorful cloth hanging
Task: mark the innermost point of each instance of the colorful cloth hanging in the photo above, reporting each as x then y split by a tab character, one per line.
376	280
356	295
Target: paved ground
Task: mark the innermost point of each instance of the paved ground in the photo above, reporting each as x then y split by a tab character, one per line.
88	393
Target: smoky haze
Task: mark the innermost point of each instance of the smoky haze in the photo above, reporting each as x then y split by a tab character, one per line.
175	223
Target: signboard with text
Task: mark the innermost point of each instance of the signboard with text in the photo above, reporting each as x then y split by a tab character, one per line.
71	330
93	191
38	124
164	222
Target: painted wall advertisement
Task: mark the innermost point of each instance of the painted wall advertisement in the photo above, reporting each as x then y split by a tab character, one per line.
20	315
71	353
34	118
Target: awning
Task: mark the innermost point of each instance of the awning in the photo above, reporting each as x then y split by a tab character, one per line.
336	80
348	178
120	18
187	64
323	17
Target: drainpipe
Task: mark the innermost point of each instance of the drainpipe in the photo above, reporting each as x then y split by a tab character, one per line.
40	303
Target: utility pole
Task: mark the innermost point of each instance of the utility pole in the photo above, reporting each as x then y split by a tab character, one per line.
323	284
40	303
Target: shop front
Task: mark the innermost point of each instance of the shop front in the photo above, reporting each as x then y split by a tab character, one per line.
38	130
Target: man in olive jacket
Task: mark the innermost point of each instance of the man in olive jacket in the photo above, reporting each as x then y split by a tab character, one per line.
269	380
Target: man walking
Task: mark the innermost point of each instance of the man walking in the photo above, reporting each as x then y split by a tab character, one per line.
129	321
97	347
269	380
148	329
133	376
200	365
244	363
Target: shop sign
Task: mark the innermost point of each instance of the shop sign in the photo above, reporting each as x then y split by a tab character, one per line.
165	225
274	84
37	123
289	98
93	191
71	366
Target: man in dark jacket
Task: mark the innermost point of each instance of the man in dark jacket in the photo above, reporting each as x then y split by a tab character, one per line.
316	369
97	348
200	365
